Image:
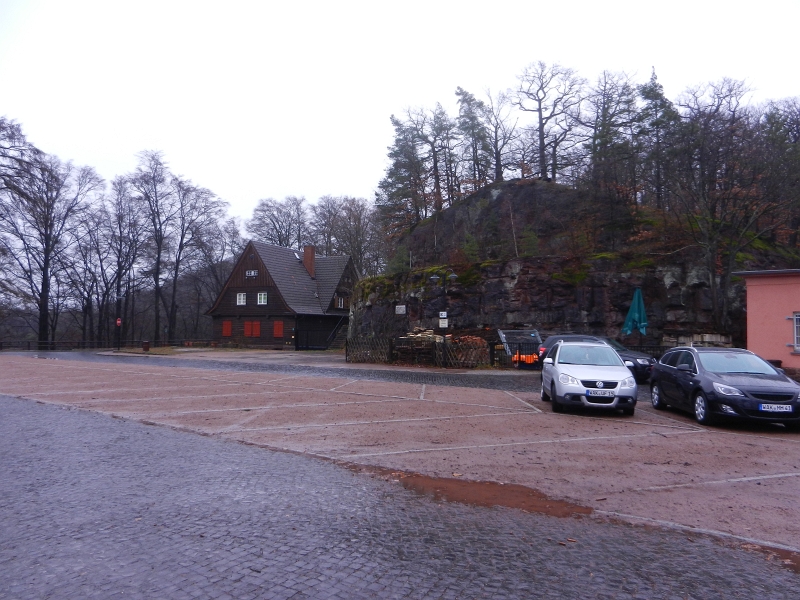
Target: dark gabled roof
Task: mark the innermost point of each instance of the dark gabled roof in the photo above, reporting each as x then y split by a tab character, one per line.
329	271
302	294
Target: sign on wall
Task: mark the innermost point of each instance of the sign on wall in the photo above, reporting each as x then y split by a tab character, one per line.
400	309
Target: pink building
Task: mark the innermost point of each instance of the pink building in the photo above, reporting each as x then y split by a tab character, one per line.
773	314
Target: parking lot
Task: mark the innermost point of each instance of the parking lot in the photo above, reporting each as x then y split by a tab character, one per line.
654	467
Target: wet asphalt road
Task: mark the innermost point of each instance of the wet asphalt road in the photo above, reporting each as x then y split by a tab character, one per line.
96	507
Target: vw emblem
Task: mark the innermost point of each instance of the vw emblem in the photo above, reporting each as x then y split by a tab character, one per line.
599	384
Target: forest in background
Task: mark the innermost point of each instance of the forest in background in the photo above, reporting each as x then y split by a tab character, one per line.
154	249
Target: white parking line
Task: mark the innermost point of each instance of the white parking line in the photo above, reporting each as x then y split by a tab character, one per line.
422	393
351	423
106	390
104	401
653	488
333	389
523	401
697	530
794	440
530	443
294	405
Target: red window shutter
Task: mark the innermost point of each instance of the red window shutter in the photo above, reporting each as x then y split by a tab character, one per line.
277	329
256	328
248	329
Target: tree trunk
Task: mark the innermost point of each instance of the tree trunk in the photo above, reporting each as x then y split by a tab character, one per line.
44	307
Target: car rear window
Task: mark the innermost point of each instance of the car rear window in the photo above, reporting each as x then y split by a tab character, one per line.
735	362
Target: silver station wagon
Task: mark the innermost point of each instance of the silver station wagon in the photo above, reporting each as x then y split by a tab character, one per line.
589	374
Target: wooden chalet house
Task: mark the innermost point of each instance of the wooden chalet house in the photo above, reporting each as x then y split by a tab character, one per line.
280	298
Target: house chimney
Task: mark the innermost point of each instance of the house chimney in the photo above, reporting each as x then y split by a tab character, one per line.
309	252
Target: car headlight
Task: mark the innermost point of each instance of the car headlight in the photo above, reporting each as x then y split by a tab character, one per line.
568	379
643	361
630	382
726	390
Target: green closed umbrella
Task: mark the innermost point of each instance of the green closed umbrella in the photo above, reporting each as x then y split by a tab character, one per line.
637	317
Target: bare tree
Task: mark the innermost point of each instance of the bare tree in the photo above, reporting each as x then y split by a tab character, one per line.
198	210
153	190
41	199
502	132
124	232
280	223
551	93
326	216
717	181
355	235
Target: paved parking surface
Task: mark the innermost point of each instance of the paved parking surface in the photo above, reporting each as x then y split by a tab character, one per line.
655	466
95	507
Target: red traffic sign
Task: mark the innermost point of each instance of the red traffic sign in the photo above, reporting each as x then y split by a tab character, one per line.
119	322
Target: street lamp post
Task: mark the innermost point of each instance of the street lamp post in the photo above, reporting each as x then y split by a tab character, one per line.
452	277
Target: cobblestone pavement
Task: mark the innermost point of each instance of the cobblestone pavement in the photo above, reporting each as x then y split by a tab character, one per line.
96	507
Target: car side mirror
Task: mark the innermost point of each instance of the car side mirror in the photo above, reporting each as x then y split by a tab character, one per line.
781	371
684	368
548	361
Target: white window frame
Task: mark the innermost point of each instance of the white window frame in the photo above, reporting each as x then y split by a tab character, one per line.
796	331
251	273
263	296
241	299
340	302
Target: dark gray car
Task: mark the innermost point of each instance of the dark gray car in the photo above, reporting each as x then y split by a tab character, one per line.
716	383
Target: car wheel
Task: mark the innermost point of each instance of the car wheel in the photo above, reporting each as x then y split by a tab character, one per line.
557	406
628	412
545	395
655	398
702	411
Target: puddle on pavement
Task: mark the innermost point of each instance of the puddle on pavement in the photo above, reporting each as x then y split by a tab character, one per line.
490	493
784	558
478	493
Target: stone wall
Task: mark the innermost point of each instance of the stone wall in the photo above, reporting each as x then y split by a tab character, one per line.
550	294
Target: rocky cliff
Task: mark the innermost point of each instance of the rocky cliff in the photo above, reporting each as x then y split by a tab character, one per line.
535	254
545	293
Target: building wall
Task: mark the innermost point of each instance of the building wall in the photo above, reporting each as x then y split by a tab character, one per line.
239	282
266	338
770	299
315	332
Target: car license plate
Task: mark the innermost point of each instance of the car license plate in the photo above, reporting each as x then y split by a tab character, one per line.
603	393
775	407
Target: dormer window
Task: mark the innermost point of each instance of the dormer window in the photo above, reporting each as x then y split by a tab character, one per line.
251	273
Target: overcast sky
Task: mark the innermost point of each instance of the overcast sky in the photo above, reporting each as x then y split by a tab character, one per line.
269	99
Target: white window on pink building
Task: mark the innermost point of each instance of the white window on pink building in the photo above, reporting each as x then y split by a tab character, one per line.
797	332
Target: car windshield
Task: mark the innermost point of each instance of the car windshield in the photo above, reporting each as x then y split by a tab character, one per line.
589	355
735	362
